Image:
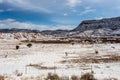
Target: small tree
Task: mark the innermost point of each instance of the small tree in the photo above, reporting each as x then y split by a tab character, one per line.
17	46
96	52
29	45
87	76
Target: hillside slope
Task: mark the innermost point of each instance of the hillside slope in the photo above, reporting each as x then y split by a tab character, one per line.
103	27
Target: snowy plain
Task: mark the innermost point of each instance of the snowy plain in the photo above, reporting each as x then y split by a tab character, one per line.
51	55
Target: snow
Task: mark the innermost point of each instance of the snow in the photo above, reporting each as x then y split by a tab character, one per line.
50	55
116	31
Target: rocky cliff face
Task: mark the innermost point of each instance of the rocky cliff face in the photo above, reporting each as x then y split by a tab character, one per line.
103	27
23	36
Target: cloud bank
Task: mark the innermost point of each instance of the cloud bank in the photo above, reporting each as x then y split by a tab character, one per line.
12	23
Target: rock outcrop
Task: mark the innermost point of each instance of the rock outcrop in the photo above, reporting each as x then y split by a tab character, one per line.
23	36
103	27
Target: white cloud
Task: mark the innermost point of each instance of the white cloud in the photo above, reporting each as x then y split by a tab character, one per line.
9	9
99	18
11	23
7	21
73	3
66	21
74	10
65	14
1	10
97	1
88	7
28	5
87	10
62	27
1	1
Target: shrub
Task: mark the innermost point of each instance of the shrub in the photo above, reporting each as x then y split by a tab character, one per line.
65	78
6	56
87	76
52	77
17	47
56	77
73	77
17	73
72	43
29	45
49	77
1	77
96	52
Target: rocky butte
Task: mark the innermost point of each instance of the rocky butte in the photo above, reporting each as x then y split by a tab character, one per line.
102	27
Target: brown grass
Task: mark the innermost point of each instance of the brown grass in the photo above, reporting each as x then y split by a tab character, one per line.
39	66
49	41
95	59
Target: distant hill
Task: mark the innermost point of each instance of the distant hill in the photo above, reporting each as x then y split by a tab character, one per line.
22	34
87	28
102	27
15	30
55	32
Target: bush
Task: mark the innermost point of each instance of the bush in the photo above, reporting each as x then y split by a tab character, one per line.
56	77
17	47
29	45
1	77
52	77
17	73
96	52
73	77
65	78
87	76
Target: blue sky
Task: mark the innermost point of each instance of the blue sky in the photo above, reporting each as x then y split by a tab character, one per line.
54	14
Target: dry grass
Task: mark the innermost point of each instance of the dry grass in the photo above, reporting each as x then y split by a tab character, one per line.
39	66
50	76
94	59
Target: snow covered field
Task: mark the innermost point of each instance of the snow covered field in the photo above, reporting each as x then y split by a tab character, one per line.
58	58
